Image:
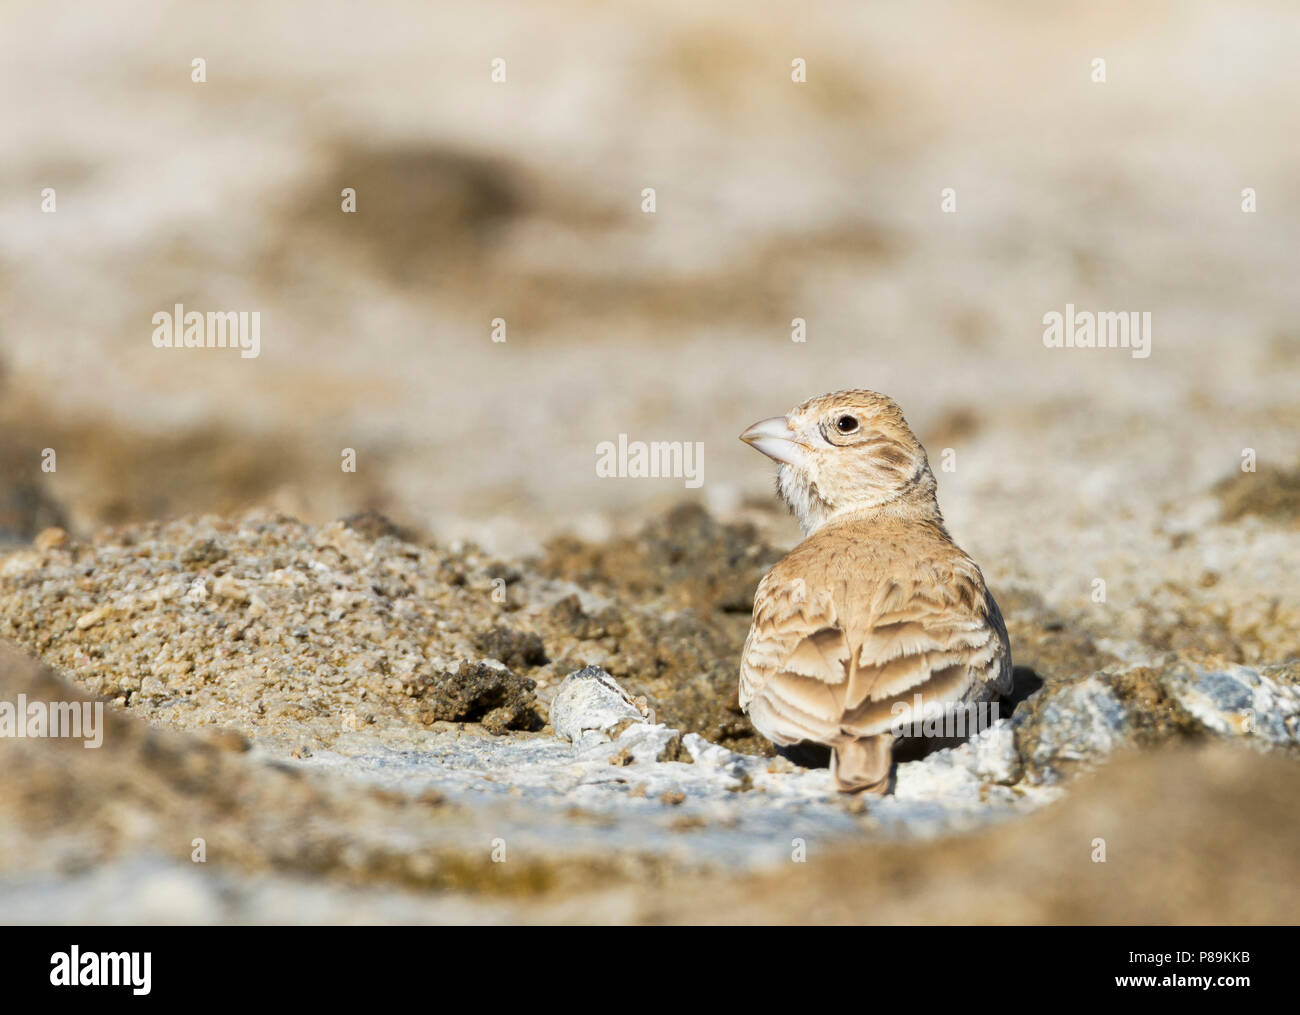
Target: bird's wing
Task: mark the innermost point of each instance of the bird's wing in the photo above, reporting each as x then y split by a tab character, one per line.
794	656
831	659
936	634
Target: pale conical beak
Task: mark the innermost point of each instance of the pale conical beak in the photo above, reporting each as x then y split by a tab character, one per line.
775	439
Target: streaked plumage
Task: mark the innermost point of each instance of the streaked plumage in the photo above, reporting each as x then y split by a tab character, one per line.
876	605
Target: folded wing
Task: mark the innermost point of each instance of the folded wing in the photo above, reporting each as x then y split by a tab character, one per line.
821	664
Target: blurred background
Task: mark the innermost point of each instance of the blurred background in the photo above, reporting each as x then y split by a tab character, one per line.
522	200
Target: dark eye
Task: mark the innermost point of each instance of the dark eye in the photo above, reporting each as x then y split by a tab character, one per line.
846	424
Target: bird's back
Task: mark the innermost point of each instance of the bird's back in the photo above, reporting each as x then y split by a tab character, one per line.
860	616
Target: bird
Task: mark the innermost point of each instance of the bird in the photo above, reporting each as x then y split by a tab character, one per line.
877	610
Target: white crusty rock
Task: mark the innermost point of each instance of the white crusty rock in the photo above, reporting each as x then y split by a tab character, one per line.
590	700
1241	701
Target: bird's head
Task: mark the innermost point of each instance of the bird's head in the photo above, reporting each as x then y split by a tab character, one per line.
845	453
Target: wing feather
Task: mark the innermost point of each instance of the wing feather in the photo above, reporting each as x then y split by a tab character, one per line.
835	653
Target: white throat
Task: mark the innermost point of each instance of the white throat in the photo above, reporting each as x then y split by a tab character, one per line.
813	512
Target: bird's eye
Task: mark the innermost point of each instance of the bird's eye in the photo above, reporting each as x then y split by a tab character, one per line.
846	424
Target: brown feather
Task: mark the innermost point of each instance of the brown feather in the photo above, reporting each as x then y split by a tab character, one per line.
877	607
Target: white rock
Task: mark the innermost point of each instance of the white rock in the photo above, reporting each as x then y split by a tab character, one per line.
590	699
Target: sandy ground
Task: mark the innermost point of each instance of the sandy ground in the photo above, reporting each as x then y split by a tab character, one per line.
775	200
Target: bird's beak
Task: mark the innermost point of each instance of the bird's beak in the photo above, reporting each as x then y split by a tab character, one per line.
775	439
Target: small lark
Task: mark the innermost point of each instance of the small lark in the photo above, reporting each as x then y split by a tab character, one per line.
876	605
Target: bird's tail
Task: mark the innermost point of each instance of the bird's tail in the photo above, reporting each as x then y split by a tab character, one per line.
862	765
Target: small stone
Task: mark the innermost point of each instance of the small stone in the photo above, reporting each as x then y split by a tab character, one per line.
622	758
227	740
152	687
371	524
49	539
227	587
88	620
478	692
202	553
518	650
590	699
